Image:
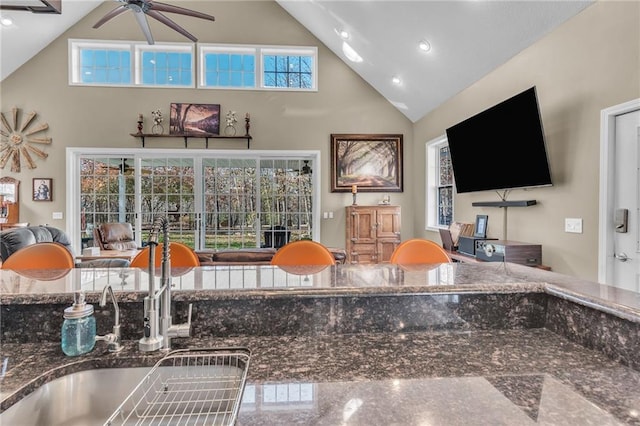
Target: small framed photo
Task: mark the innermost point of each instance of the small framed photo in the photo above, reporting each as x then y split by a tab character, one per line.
42	189
481	226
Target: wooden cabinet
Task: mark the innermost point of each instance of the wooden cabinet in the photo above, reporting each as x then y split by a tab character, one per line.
9	203
373	232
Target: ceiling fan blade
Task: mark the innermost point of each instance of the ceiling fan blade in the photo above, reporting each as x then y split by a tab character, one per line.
168	22
163	7
115	12
144	25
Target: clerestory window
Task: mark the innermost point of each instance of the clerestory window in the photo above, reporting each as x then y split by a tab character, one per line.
258	67
172	65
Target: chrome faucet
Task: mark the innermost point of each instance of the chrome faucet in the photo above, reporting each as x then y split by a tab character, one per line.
158	327
112	339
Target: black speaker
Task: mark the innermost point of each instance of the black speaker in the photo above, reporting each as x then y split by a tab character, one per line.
467	245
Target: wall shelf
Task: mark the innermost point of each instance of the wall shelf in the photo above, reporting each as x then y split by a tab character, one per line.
186	137
522	203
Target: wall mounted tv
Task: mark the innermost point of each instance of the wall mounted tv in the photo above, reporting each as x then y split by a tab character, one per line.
501	148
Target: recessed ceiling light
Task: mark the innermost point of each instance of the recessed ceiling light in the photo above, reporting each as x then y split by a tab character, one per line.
424	45
6	20
343	34
396	80
351	54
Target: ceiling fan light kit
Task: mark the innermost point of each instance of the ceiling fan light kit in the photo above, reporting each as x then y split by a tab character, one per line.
144	8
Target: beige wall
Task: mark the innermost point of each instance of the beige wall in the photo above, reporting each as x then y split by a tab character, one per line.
96	117
588	64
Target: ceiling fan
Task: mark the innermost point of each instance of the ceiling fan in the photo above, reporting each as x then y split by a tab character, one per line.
144	8
304	170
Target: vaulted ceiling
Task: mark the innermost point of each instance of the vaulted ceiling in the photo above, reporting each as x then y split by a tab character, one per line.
468	39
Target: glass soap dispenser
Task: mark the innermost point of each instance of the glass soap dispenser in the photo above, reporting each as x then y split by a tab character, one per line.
79	327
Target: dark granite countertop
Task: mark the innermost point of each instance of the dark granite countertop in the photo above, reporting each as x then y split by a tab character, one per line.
245	282
494	376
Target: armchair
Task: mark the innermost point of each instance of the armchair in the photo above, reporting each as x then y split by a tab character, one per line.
114	236
14	239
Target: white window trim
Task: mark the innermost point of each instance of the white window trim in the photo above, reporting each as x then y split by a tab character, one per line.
260	51
431	184
291	51
139	49
135	48
73	155
198	73
204	49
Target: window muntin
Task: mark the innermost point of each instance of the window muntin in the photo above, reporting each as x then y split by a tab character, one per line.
289	68
105	66
288	71
445	187
229	210
100	63
211	200
258	67
111	63
439	185
166	68
228	67
162	65
136	64
107	193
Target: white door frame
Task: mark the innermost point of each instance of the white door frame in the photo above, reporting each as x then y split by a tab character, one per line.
607	159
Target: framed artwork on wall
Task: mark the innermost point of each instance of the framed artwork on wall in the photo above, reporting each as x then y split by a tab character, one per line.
194	119
42	189
366	163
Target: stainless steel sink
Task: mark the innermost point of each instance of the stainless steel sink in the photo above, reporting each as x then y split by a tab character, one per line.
85	398
199	386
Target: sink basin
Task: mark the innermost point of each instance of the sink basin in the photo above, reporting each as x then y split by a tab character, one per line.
199	386
85	398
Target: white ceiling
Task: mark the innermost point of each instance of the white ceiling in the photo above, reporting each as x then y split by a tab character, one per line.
469	39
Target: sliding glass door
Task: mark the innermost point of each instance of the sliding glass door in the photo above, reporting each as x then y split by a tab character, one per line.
230	203
212	199
167	188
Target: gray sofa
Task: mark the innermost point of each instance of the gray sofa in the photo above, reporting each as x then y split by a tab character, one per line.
14	239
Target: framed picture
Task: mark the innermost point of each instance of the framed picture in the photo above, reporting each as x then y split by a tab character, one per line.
42	189
481	226
194	119
366	163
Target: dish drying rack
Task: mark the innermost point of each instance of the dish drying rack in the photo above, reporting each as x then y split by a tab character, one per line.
188	387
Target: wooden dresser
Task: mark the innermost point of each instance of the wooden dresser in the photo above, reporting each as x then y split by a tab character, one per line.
373	232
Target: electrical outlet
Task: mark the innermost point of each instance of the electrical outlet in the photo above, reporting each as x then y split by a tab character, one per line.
330	215
573	225
57	215
325	215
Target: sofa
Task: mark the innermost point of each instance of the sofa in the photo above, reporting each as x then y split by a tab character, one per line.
14	239
250	256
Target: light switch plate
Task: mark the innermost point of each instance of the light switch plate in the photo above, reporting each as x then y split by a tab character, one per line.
57	215
573	225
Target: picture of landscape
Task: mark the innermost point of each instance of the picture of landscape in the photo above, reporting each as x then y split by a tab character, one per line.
194	119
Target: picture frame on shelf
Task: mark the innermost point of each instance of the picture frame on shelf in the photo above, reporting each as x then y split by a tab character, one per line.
366	163
480	230
194	119
42	189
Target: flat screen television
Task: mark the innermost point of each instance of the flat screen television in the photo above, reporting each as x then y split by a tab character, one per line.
501	148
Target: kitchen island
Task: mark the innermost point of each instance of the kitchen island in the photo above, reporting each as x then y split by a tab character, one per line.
445	344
